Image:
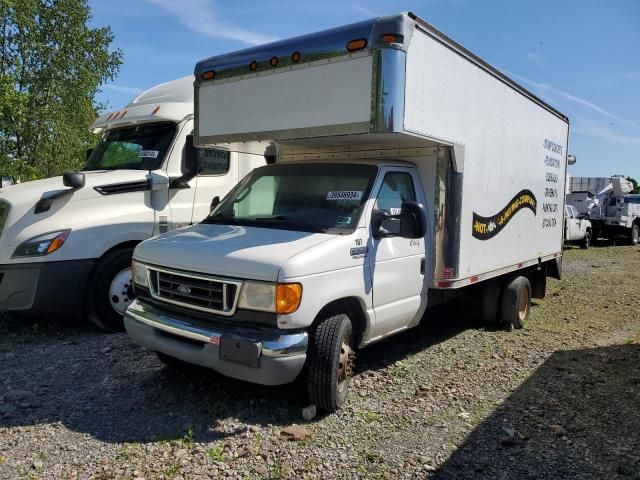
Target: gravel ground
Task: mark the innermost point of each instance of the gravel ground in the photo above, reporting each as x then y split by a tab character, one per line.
448	400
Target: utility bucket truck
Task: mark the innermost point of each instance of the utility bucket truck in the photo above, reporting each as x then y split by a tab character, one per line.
407	171
66	242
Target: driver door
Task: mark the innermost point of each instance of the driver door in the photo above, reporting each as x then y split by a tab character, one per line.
397	264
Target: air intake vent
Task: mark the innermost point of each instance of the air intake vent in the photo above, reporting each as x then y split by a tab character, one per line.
126	187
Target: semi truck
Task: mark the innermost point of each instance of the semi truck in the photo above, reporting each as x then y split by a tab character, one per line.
407	172
66	242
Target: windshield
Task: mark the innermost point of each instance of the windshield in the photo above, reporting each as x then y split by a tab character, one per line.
310	197
140	147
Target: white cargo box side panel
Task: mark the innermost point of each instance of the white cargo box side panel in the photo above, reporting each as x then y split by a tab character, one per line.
329	93
512	145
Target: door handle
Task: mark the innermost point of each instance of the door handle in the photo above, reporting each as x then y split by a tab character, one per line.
422	266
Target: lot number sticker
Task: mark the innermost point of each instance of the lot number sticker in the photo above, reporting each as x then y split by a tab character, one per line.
148	154
345	195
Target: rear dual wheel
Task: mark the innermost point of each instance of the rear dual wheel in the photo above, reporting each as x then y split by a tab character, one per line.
507	305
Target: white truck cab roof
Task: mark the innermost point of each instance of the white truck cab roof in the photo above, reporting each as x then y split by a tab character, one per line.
171	101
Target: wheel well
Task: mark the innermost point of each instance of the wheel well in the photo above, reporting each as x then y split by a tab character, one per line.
129	244
350	306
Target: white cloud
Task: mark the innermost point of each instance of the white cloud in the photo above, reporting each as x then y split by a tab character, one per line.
544	88
200	16
603	131
368	12
122	89
536	59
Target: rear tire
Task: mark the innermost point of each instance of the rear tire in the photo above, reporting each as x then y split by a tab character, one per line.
516	303
108	287
330	363
586	241
491	304
634	236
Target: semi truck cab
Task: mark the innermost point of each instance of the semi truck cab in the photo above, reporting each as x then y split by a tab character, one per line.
66	242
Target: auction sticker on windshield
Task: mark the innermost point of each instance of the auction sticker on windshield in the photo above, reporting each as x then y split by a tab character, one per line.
148	154
345	195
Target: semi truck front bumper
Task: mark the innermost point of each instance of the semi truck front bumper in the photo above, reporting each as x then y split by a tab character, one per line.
44	289
267	356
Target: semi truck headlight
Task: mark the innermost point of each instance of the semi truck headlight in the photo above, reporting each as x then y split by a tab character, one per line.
42	244
139	274
281	298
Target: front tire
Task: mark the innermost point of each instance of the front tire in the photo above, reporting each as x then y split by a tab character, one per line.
516	303
586	241
330	363
109	291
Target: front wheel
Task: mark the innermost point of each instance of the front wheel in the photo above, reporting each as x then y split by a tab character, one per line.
634	236
110	290
586	241
331	358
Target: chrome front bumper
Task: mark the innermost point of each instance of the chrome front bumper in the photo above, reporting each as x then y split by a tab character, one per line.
267	356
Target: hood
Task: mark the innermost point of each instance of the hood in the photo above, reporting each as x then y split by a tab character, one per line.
228	250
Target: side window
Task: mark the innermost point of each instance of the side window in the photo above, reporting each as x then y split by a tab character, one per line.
574	212
261	202
212	161
567	212
397	187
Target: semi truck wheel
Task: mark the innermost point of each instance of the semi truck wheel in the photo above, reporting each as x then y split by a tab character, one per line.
110	291
330	363
516	302
586	241
634	236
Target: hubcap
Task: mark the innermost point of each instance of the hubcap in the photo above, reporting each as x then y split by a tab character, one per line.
120	292
523	303
345	364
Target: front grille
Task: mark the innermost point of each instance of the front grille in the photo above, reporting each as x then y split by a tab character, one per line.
199	292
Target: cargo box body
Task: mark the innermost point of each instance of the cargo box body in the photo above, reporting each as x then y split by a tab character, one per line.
492	156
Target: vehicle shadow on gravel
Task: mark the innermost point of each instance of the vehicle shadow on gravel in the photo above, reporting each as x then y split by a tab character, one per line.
104	386
577	416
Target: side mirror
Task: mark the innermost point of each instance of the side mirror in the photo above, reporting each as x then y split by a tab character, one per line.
89	152
189	165
215	201
73	179
412	222
7	181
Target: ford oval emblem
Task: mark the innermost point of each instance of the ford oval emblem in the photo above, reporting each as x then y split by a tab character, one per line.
184	289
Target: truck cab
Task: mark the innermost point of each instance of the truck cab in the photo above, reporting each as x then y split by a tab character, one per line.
577	227
66	242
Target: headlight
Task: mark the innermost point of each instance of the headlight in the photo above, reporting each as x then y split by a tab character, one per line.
258	296
139	274
281	298
42	245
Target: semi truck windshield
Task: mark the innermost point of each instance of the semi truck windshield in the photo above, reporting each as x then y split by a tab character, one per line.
310	197
140	147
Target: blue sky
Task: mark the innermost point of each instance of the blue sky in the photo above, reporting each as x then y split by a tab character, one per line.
581	56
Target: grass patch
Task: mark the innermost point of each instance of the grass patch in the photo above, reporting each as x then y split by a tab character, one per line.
171	471
368	416
217	454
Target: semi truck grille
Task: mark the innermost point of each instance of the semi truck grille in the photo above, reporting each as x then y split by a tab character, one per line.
199	292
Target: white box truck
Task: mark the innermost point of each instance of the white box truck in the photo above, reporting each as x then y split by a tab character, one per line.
407	171
66	242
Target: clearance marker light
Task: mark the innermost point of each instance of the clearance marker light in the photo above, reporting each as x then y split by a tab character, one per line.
389	38
295	57
209	75
355	45
273	61
253	66
155	110
124	113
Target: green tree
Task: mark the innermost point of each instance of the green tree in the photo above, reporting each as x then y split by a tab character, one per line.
51	66
636	186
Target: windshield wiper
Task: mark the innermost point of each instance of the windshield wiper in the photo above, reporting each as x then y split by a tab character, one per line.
292	221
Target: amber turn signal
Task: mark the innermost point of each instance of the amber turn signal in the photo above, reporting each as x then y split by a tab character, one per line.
288	297
389	38
355	45
209	75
